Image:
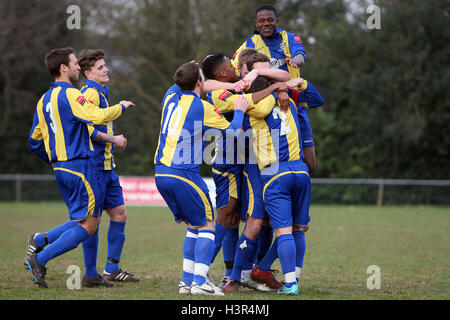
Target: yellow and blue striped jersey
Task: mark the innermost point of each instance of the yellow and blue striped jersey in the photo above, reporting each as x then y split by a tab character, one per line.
277	137
185	118
280	46
103	158
227	153
59	131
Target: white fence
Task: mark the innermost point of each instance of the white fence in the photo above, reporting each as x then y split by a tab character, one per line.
381	183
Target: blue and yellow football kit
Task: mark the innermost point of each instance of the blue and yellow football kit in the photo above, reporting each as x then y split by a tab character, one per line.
281	45
227	164
284	176
229	175
59	136
185	118
110	190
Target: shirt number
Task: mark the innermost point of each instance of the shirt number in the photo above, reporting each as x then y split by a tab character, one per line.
49	109
277	113
173	118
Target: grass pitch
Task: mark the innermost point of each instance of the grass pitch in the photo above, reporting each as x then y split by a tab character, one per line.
410	245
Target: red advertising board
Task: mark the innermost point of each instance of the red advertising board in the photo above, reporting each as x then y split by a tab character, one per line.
140	191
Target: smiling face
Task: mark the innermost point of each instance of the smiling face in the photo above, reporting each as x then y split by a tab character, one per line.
266	23
98	72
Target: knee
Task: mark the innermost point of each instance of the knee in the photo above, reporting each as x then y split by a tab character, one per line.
253	227
118	214
90	225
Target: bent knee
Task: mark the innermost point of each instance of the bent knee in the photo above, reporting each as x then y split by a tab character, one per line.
118	214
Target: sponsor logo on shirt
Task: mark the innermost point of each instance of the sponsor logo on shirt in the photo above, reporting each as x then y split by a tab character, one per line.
81	100
224	95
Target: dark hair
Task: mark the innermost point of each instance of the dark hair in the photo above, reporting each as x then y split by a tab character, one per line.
211	63
257	57
260	83
187	76
266	6
87	59
55	58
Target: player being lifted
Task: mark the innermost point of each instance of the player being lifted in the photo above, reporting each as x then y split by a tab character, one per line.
184	120
227	168
285	180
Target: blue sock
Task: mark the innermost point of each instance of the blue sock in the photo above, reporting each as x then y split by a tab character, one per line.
189	256
90	249
221	232
229	249
286	252
67	241
264	242
116	239
54	234
300	246
204	250
266	263
244	249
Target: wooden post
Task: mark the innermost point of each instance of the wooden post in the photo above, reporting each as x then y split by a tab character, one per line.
380	193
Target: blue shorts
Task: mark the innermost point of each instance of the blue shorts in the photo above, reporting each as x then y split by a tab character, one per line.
228	181
110	190
252	187
287	195
78	186
186	194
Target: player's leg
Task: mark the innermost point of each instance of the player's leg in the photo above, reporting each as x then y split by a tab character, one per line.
301	204
265	238
188	260
223	224
229	249
37	241
203	252
300	245
277	198
90	250
262	272
228	182
114	205
287	256
77	188
91	277
247	245
179	187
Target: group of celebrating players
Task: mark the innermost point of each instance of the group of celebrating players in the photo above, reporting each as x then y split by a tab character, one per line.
264	153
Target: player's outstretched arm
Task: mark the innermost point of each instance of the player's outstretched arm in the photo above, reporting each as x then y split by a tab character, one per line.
118	141
274	74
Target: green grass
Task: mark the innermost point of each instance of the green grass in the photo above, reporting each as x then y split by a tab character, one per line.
410	245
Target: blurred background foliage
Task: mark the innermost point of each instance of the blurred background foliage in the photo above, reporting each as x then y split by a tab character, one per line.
386	92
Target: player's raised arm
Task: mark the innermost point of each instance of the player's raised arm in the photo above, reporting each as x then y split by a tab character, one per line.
88	112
